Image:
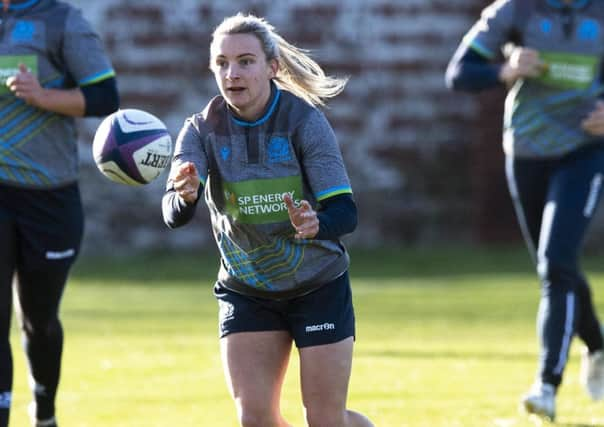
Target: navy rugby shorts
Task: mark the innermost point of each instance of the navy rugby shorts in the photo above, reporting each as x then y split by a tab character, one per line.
324	316
41	229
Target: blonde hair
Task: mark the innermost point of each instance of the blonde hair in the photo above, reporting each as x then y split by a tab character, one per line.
297	72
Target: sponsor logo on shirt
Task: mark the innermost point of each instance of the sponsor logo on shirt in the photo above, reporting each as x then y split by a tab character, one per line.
9	67
260	201
279	150
568	71
320	327
588	30
23	32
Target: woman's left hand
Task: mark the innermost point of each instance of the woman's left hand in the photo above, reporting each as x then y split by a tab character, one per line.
594	122
303	218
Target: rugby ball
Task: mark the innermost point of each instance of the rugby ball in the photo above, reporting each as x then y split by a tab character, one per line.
132	147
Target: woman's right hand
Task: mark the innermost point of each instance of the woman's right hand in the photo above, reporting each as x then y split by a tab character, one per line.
522	62
186	182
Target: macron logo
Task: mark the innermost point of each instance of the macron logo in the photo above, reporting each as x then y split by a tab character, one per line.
320	327
60	255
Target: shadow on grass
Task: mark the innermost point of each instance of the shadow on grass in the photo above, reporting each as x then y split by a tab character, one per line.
579	425
435	262
457	355
383	263
449	261
149	268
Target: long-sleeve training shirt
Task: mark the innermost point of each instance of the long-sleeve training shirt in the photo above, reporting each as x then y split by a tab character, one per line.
245	169
542	115
38	148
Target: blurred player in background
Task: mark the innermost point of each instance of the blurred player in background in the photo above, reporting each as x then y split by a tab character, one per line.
280	199
554	146
55	69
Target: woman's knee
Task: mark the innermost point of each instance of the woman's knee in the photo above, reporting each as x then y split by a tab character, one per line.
42	328
559	274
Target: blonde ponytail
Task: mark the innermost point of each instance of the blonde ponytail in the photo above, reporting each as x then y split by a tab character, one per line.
298	72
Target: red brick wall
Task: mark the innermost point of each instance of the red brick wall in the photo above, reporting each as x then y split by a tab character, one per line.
426	163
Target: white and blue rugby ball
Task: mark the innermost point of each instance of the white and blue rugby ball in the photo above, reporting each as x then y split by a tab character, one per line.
132	147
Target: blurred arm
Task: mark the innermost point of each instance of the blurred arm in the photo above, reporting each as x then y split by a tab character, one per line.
101	98
337	216
97	99
69	102
469	71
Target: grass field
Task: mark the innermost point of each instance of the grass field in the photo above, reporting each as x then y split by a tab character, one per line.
443	339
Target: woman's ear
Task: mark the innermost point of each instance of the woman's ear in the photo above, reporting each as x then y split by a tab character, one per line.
273	65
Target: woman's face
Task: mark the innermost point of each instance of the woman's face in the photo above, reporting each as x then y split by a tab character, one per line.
242	73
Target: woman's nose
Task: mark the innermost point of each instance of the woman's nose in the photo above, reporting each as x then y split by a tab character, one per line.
232	72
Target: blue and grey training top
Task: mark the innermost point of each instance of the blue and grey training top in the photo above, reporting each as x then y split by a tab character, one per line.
245	169
543	115
38	148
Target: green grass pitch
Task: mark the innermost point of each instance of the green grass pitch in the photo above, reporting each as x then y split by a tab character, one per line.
444	338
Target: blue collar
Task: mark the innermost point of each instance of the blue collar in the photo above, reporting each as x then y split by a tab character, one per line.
22	5
576	4
275	95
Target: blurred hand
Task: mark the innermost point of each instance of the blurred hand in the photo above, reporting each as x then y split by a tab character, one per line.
594	122
522	62
186	182
26	86
303	218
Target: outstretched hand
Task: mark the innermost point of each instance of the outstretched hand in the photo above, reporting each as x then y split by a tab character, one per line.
186	182
594	122
303	218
